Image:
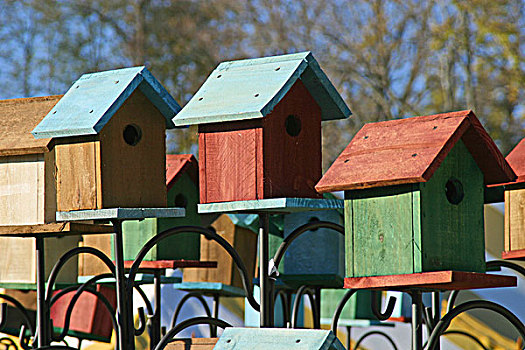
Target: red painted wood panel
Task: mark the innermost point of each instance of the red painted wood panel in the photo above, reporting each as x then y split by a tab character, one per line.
410	150
171	264
230	162
439	280
89	315
292	164
514	254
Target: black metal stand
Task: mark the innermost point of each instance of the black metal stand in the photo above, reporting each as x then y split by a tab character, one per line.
266	298
41	311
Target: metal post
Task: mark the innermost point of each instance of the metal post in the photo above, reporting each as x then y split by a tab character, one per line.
215	313
126	333
41	311
349	337
436	312
317	321
266	300
417	321
155	320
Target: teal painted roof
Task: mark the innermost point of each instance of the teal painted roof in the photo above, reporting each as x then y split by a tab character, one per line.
94	98
278	339
249	89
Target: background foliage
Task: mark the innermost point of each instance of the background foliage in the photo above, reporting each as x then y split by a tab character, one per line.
388	58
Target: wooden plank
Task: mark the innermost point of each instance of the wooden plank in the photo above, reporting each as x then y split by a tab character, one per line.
90	265
231	164
76	176
516	219
21	116
119	213
63	228
438	280
453	234
50	187
172	264
382	235
289	170
22	189
272	205
514	254
508	228
410	150
202	168
192	344
134	175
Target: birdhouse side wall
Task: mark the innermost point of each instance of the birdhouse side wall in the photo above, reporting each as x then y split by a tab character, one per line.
357	308
23	190
134	175
230	161
319	252
292	146
18	264
381	230
90	265
514	219
452	235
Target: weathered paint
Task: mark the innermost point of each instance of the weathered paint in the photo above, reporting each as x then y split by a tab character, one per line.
120	213
94	98
248	89
278	339
271	205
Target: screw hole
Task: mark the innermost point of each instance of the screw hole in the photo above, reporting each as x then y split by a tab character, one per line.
117	81
200	98
228	341
314	219
414	155
293	125
276	69
132	134
298	341
76	87
91	111
347	160
366	137
54	112
256	95
454	191
434	128
218	76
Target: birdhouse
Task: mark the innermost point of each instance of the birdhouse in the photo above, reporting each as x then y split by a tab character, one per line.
321	263
90	265
414	194
182	181
514	204
260	127
89	319
357	309
108	146
278	339
236	229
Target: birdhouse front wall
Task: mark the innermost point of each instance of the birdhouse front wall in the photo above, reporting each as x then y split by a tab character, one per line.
184	194
277	156
122	166
515	218
412	228
315	252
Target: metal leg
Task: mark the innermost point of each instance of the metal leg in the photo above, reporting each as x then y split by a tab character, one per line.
349	337
215	313
125	321
266	299
155	320
41	311
317	321
417	324
436	311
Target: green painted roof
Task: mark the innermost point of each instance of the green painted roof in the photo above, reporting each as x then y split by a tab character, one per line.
250	89
94	98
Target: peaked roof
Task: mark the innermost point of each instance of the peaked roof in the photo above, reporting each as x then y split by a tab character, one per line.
248	89
411	150
177	165
17	118
516	159
94	98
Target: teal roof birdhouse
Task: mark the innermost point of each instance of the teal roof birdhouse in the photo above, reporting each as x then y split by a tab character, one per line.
277	339
260	127
182	182
108	135
414	194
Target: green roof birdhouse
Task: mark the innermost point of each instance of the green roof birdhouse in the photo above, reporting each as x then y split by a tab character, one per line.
414	194
108	135
182	181
260	127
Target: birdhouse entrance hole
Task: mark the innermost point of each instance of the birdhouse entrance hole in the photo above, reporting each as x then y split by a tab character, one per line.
293	125
454	191
181	201
132	134
314	219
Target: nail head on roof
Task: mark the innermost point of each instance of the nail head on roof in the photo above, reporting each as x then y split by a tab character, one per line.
414	155
276	69
256	95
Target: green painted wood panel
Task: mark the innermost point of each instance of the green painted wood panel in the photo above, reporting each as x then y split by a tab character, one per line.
357	308
380	238
453	235
182	246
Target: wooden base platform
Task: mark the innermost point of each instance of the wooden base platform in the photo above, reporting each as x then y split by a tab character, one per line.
210	289
514	255
439	280
54	229
120	214
171	264
271	205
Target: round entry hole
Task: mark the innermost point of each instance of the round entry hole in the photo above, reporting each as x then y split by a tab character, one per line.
293	125
132	134
454	191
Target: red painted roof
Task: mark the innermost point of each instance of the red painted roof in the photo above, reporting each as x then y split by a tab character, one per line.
410	150
516	159
178	164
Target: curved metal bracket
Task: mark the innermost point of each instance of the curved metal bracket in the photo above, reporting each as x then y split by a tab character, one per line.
383	334
468	335
188	323
297	302
383	316
22	309
339	309
183	301
142	322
